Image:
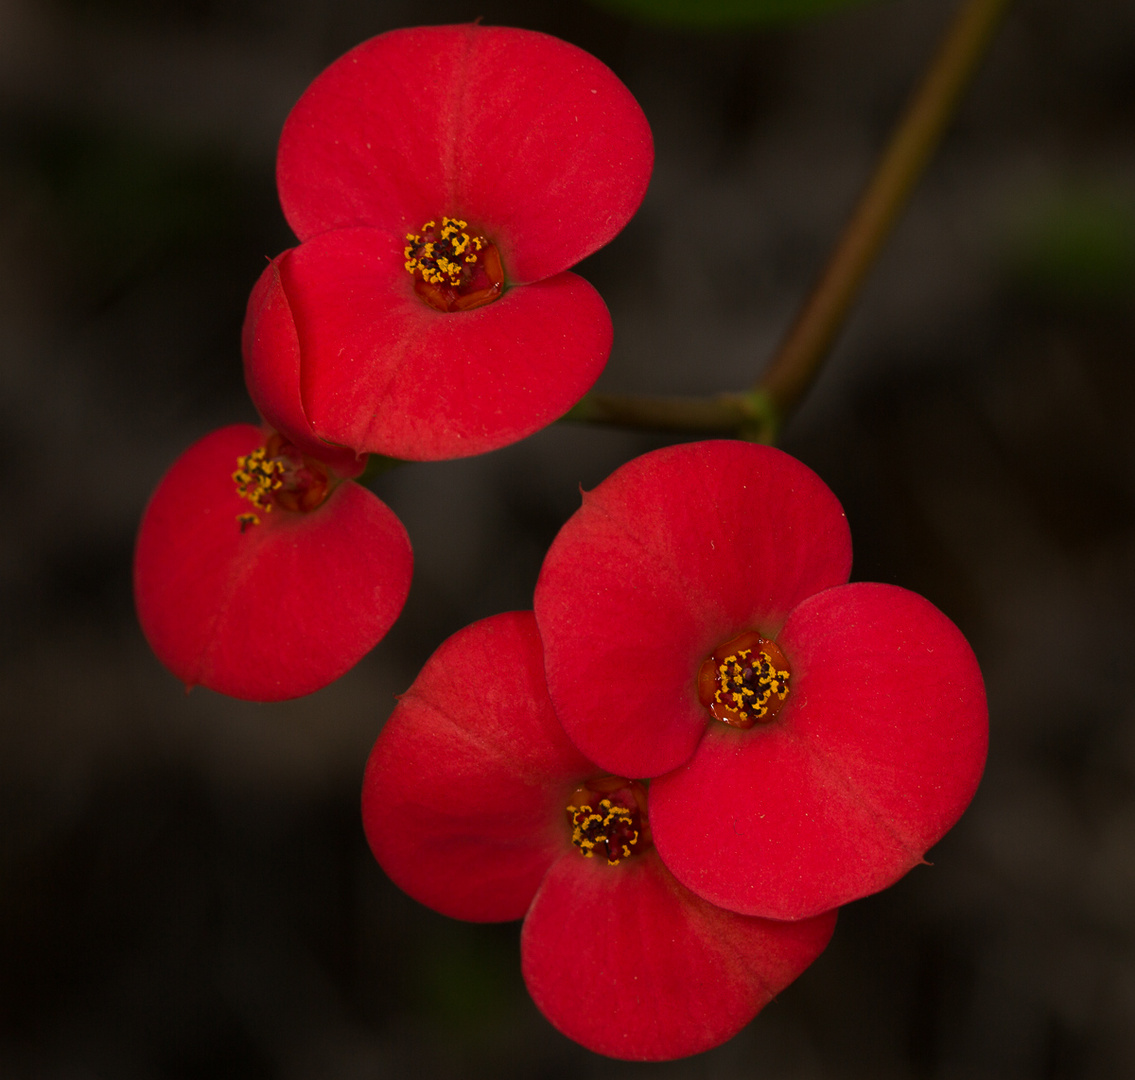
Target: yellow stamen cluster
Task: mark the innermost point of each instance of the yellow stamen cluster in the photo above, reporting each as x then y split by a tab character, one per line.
441	256
746	683
609	824
256	477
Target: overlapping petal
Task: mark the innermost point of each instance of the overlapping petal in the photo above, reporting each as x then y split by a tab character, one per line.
337	341
529	141
534	141
464	794
274	611
874	757
464	806
269	334
882	737
632	965
673	554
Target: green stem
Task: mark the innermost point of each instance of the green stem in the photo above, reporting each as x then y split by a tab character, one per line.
759	414
725	414
917	135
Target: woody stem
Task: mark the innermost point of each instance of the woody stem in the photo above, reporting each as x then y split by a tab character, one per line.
759	413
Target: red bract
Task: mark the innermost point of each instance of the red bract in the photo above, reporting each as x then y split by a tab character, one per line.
471	798
273	593
816	737
442	180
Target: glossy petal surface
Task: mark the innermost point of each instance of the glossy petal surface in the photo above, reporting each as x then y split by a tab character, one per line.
672	555
629	963
533	141
381	371
877	752
465	790
274	612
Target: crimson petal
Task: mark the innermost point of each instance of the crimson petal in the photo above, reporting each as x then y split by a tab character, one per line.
877	752
380	371
465	790
672	555
629	963
278	610
272	372
531	139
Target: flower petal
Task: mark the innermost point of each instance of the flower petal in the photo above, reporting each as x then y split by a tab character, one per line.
278	610
672	555
272	372
629	963
532	140
381	371
465	792
875	755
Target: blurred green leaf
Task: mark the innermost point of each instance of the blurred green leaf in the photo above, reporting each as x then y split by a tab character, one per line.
723	13
1077	246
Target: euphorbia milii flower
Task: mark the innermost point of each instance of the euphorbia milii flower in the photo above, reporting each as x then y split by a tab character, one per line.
442	180
263	572
477	804
812	739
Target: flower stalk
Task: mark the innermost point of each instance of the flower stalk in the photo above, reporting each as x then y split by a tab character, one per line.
759	414
725	414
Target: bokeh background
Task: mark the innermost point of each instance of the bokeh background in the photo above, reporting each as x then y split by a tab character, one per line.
185	891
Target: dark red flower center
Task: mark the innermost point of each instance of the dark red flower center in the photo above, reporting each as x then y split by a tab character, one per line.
278	475
745	680
608	815
453	270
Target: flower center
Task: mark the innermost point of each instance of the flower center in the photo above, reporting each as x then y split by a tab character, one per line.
608	816
745	680
278	475
452	270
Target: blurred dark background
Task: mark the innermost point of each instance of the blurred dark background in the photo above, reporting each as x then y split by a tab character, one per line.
184	887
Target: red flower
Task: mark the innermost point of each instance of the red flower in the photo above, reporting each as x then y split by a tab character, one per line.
442	180
816	737
477	805
262	573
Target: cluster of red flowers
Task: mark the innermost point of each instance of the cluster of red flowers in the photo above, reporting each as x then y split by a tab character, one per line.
735	740
441	181
702	741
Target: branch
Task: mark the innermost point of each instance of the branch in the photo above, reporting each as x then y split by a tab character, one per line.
759	414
